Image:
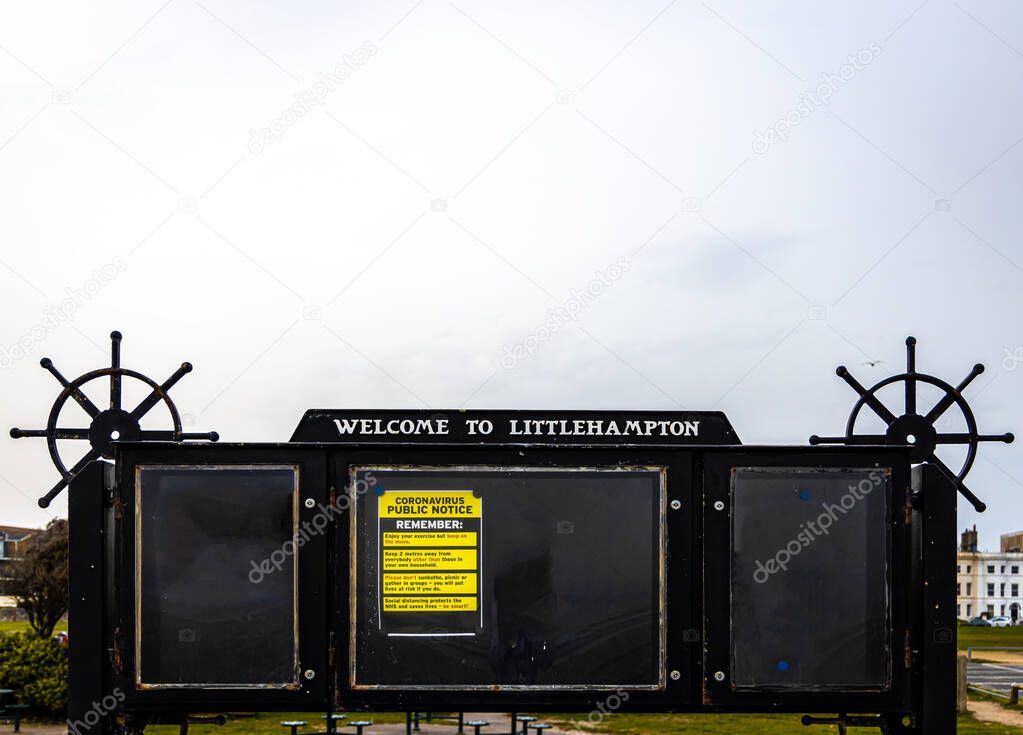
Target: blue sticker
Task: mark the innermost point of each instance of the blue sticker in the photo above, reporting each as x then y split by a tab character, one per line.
783	666
805	495
380	491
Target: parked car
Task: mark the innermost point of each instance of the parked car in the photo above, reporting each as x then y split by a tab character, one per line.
979	622
1000	622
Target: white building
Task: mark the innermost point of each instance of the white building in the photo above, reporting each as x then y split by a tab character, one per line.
989	583
10	538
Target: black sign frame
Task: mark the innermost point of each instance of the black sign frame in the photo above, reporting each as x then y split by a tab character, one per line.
680	634
717	475
695	585
922	525
313	637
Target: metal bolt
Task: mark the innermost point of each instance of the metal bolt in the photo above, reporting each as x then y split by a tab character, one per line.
675	675
719	675
719	505
310	503
676	504
309	674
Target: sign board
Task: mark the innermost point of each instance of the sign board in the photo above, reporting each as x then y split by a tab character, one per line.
537	428
496	561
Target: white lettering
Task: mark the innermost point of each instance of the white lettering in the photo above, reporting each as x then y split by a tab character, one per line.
345	426
377	427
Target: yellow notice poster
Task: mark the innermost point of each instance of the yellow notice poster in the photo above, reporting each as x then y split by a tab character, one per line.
429	558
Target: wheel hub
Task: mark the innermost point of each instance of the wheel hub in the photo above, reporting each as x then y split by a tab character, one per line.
916	432
112	425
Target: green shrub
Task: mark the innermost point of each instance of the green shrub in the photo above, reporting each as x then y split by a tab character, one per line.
36	669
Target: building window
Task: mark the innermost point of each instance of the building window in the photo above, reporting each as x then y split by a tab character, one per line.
969	588
990	568
1015	570
957	590
990	609
991	589
958	569
1001	592
969	609
1015	590
968	568
958	612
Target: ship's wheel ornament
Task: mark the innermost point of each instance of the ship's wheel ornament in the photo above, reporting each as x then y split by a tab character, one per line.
915	430
109	424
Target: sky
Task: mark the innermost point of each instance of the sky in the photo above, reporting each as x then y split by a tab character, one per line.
649	205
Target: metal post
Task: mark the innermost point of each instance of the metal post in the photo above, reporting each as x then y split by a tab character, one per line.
936	501
961	683
86	637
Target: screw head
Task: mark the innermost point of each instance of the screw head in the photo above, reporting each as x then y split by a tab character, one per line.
675	675
309	674
719	676
719	505
676	504
310	503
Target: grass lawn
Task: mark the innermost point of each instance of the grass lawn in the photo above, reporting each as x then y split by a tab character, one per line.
268	724
21	626
968	635
620	724
748	725
976	636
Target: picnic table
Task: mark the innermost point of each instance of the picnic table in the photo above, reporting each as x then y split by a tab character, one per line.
11	712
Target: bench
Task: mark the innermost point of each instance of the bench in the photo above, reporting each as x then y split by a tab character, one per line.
412	719
13	713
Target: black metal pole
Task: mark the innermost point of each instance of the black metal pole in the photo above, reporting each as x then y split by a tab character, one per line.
86	637
936	503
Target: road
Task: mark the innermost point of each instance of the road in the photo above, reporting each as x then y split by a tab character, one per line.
997	677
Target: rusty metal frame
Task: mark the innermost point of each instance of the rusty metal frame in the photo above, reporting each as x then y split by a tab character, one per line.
662	501
888	599
716	605
325	468
295	683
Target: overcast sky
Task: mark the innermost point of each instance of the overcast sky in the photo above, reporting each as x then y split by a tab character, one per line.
762	192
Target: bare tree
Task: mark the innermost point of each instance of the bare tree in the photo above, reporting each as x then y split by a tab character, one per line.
40	577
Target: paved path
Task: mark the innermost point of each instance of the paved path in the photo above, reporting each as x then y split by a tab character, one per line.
37	728
997	677
994	712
